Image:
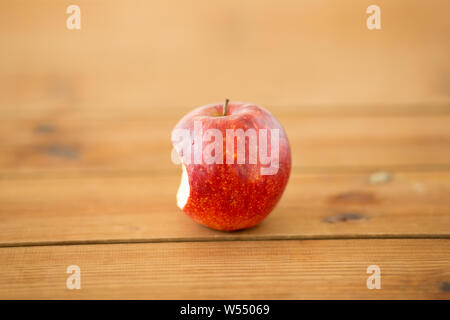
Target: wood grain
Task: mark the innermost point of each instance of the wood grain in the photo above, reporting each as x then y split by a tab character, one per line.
143	208
326	269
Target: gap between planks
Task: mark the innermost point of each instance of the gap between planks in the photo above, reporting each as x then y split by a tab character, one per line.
226	239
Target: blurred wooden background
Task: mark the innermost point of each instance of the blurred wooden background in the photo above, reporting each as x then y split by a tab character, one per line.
85	170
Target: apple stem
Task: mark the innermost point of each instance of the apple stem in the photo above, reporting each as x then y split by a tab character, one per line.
225	105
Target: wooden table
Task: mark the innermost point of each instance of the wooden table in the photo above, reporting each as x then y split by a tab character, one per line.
86	177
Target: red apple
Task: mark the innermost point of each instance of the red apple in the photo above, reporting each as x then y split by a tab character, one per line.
232	179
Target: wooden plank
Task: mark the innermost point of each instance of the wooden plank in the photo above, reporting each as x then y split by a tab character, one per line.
143	208
318	269
140	142
172	53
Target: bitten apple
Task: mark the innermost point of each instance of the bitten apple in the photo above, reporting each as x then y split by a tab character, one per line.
236	162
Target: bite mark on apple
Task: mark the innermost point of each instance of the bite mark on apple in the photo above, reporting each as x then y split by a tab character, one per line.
184	189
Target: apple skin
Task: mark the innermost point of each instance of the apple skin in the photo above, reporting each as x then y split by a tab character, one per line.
230	197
